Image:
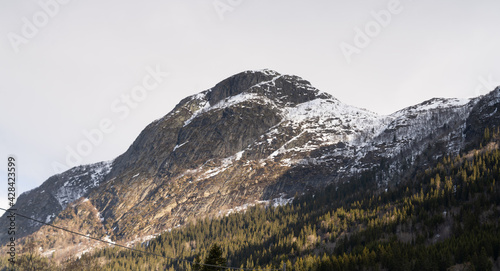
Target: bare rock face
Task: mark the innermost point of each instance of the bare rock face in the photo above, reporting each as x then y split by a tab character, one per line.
486	113
255	136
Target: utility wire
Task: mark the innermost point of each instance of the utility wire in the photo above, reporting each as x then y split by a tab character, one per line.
133	249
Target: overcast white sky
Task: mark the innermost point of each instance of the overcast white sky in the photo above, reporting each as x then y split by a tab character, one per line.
64	65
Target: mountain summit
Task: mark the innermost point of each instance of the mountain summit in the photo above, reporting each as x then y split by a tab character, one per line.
257	136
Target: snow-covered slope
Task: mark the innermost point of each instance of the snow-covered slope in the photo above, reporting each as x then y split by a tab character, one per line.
45	202
77	185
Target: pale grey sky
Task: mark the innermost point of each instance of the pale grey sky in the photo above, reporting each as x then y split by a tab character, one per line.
66	64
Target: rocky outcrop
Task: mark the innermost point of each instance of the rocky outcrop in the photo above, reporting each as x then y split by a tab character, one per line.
45	202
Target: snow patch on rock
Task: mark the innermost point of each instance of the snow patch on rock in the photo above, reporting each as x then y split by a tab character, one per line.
78	185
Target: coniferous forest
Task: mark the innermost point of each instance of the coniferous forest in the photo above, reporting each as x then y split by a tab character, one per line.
444	215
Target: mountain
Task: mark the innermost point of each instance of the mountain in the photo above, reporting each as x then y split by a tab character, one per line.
257	136
445	217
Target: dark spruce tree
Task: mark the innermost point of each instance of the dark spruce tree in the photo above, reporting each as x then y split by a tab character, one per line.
214	258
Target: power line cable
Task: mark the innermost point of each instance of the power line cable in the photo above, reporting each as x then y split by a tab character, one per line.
132	249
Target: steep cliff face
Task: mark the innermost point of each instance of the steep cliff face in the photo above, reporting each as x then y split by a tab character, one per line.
256	136
484	114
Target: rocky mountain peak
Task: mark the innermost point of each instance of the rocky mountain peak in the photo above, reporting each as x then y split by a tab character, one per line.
239	83
281	89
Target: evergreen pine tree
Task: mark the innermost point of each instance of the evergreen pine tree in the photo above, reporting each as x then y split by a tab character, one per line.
214	257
